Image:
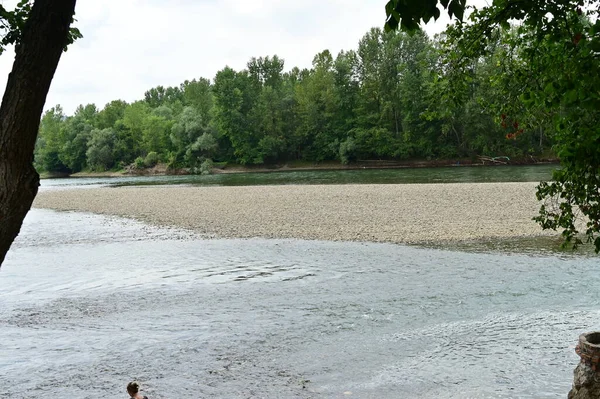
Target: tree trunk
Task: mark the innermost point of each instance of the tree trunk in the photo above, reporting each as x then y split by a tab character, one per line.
43	40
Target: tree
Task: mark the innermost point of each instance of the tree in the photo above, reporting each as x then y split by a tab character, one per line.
110	114
316	108
155	133
41	33
346	84
77	132
559	45
235	97
160	96
198	94
48	156
129	131
192	139
101	149
392	67
266	115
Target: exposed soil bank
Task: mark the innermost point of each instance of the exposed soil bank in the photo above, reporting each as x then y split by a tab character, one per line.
162	170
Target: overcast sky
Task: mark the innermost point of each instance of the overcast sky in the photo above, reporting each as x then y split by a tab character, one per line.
130	46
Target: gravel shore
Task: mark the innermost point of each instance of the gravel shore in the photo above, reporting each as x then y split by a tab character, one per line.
408	213
411	213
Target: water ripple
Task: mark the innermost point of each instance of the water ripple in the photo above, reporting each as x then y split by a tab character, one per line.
105	300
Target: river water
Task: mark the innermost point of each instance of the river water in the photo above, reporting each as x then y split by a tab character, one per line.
88	303
527	173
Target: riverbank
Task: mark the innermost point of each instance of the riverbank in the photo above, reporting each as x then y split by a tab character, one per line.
415	213
162	170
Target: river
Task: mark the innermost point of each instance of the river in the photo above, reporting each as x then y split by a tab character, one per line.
88	303
456	174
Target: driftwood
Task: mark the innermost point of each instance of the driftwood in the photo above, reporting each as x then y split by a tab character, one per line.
496	160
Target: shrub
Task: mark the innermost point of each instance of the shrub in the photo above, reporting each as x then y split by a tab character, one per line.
347	151
206	167
139	163
151	159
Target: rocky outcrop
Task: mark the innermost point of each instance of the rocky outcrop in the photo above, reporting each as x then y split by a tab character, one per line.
586	381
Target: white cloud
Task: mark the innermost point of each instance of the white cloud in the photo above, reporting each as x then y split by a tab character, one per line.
130	46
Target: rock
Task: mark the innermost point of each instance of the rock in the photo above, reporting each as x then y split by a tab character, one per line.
586	377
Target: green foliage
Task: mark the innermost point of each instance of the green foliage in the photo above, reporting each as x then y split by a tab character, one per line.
250	109
408	14
13	21
100	152
139	163
206	167
160	95
347	151
365	98
198	94
51	139
569	91
547	75
111	113
151	159
270	149
397	96
187	137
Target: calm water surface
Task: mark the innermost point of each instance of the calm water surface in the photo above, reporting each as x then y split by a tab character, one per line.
88	303
367	176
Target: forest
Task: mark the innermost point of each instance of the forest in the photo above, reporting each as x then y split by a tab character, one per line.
396	97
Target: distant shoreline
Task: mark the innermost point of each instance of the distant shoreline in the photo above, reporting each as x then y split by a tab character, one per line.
161	169
397	213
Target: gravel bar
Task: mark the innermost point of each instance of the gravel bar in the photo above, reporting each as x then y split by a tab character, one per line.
400	213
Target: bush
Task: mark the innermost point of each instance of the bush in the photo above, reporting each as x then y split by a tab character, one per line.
347	151
151	159
206	167
139	163
172	160
269	149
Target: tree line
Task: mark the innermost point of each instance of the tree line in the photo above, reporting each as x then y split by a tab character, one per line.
393	98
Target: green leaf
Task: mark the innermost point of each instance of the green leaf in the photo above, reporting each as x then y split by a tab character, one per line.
595	45
457	9
595	28
390	6
571	96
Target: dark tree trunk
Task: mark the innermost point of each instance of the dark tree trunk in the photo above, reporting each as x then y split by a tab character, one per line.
44	37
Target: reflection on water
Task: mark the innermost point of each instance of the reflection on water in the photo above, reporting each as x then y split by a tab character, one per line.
88	303
537	245
367	176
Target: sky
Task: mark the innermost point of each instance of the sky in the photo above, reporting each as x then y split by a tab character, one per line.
130	46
